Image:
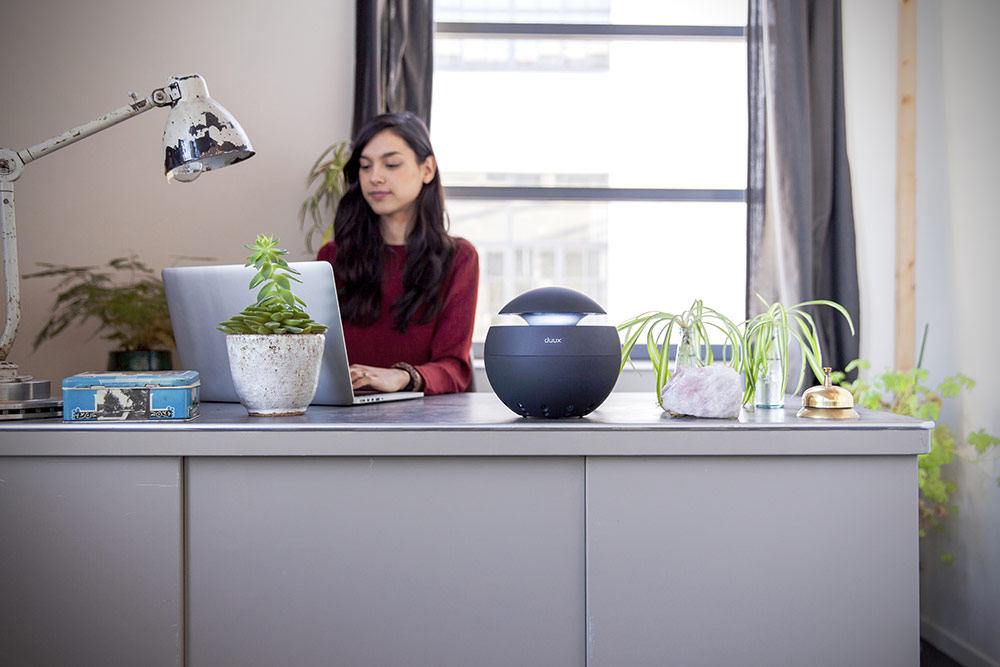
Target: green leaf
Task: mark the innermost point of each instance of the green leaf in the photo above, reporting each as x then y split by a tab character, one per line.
265	292
982	441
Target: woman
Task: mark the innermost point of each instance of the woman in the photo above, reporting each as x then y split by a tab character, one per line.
407	289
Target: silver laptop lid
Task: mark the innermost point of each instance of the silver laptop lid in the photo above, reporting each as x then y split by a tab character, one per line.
199	297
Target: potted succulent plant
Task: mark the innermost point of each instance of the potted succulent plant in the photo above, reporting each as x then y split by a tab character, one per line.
321	206
275	348
692	328
766	340
128	302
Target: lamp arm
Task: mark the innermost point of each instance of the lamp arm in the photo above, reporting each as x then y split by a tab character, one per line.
12	163
158	98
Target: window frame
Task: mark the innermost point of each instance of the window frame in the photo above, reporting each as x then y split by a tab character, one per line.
564	31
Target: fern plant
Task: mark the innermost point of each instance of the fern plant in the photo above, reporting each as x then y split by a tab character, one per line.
276	310
692	326
126	299
321	206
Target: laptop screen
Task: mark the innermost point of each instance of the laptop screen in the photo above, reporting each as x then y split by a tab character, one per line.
199	297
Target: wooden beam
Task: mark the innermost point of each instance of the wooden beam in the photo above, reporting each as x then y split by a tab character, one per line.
906	187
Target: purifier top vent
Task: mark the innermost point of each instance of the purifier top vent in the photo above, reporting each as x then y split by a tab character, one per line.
552	306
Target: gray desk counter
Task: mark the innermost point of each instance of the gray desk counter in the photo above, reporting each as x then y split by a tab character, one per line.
447	531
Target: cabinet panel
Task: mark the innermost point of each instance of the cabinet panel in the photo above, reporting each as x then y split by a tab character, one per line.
752	561
386	561
91	561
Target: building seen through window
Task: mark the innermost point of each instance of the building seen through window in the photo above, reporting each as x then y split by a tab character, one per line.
598	145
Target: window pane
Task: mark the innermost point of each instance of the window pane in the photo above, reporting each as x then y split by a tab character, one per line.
664	255
629	12
528	244
648	120
597	112
629	257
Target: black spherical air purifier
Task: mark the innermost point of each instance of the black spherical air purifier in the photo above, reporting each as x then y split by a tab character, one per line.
552	367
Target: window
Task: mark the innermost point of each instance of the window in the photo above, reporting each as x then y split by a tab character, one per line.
598	145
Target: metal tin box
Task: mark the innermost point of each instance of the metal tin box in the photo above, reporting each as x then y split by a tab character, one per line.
136	396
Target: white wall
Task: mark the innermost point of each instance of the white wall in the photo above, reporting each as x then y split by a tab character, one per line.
958	144
957	248
285	71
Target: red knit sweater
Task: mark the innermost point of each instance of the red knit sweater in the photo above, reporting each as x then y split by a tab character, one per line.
439	350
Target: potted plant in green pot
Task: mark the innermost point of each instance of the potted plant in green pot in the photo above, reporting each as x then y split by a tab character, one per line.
275	348
331	184
767	347
128	302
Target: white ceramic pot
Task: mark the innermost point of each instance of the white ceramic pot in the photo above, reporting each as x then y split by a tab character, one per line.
275	375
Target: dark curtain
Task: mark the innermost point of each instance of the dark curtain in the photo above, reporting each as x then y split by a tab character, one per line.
800	232
394	58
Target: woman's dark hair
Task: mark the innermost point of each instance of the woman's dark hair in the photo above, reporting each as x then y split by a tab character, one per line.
361	251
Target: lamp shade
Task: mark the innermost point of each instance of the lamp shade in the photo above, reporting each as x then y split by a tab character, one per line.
200	135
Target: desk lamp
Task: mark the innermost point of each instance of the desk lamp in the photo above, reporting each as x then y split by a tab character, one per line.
200	136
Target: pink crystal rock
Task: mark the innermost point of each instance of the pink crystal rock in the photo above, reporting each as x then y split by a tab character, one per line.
712	391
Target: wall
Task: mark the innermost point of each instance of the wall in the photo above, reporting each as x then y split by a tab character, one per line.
957	241
284	71
957	254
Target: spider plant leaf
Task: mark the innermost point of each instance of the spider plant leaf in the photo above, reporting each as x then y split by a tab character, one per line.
832	304
627	348
707	357
651	347
663	365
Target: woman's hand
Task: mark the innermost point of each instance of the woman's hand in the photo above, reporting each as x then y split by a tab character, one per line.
379	379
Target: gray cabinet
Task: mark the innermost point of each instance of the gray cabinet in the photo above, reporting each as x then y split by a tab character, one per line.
387	561
90	564
752	561
446	531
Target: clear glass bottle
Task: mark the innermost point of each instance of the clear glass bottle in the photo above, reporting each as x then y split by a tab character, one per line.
768	392
686	354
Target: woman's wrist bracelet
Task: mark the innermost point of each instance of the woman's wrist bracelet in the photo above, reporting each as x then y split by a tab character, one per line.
416	382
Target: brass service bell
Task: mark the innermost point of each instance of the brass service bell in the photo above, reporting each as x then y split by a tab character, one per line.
827	402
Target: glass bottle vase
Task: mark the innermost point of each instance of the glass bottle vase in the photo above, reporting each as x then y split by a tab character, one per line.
768	392
686	354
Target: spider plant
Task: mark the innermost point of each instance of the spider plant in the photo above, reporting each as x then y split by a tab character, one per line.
767	336
321	206
694	349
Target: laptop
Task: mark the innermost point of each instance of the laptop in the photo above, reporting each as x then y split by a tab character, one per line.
199	297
